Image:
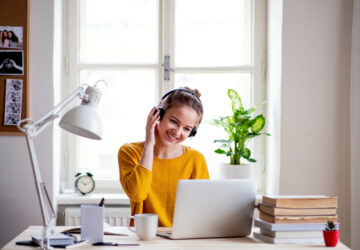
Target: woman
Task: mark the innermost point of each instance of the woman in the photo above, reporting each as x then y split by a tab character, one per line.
1	38
13	40
5	39
150	170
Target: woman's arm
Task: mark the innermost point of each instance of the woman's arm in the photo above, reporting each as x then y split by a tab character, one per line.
147	156
16	66
136	175
135	179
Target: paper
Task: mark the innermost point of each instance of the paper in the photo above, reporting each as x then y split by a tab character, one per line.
108	230
13	101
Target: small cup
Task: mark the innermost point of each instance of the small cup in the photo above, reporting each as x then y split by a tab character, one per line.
145	226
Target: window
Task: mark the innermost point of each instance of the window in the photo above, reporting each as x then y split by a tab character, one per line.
211	45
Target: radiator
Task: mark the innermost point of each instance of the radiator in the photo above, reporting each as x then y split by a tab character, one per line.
114	216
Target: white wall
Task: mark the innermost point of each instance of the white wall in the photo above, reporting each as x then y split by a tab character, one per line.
18	199
315	126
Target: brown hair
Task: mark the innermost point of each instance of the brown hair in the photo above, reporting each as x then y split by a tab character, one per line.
185	96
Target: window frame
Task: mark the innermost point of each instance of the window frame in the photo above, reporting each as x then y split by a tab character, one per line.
166	27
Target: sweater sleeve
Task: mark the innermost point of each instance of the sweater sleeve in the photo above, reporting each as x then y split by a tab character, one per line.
135	179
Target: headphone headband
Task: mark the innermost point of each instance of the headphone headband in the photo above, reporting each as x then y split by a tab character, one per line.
181	89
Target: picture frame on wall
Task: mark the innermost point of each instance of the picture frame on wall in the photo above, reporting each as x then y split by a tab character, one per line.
11	37
11	62
13	101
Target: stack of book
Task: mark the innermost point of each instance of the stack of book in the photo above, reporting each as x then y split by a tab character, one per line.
56	240
294	219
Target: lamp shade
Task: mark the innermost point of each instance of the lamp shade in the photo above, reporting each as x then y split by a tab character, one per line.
84	121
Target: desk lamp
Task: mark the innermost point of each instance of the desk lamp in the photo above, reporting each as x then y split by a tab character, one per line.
81	120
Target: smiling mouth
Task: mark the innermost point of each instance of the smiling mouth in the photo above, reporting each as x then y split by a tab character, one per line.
172	138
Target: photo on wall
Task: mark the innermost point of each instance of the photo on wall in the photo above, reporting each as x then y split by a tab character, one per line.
11	37
11	62
13	101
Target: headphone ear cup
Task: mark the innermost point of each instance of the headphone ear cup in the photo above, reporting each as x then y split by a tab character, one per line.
162	112
193	132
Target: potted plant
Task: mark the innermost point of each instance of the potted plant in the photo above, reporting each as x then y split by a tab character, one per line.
331	234
241	127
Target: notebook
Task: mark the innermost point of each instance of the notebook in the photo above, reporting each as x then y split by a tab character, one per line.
55	239
213	208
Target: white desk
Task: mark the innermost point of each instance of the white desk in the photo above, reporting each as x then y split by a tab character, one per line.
161	243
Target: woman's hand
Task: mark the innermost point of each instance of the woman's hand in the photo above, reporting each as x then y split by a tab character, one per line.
152	121
147	155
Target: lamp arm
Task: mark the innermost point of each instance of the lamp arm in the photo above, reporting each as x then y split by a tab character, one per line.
34	128
47	209
31	130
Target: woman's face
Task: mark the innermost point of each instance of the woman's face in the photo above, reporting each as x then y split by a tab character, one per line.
177	123
5	34
10	34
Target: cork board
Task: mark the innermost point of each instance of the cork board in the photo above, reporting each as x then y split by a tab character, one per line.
14	17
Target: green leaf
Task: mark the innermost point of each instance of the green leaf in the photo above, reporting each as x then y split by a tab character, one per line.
235	100
251	135
223	141
246	153
245	125
249	111
257	123
215	122
238	116
219	151
251	159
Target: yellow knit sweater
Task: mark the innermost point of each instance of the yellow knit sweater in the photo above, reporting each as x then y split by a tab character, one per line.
154	191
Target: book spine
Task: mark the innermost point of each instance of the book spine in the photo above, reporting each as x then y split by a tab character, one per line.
268	239
301	202
289	226
296	211
296	219
292	234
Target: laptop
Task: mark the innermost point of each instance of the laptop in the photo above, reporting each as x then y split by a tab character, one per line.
213	208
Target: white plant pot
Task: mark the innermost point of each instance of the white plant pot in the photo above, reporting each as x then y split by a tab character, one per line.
243	171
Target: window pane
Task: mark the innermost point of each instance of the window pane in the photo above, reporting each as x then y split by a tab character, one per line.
119	31
123	110
213	89
212	33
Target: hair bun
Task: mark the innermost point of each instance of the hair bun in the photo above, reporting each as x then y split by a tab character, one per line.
195	91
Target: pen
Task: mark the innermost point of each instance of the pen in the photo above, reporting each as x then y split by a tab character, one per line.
113	244
101	204
82	243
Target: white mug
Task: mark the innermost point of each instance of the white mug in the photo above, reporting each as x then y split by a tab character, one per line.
145	226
